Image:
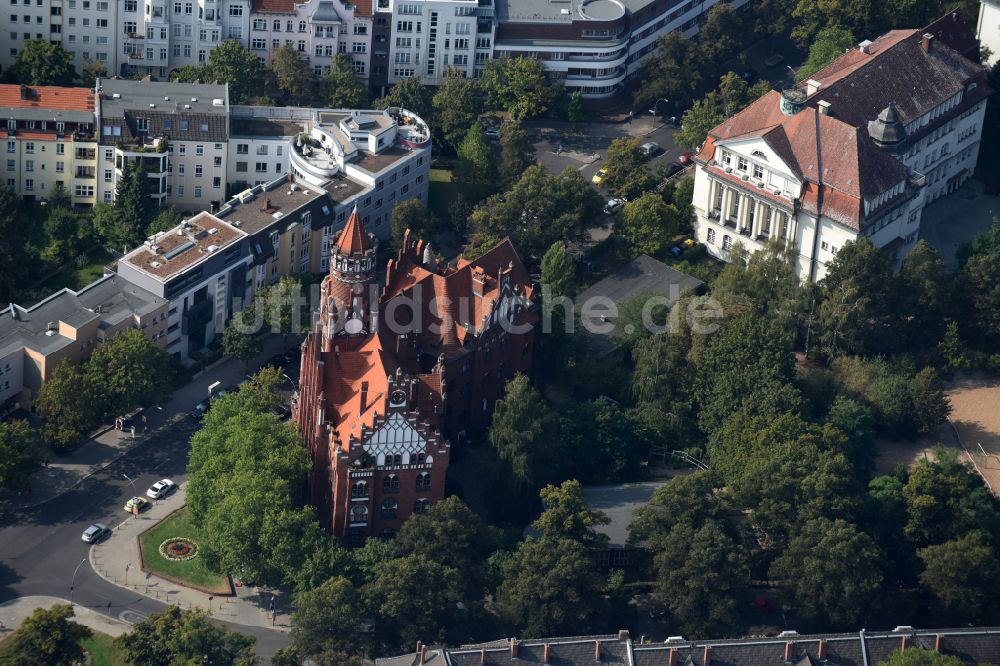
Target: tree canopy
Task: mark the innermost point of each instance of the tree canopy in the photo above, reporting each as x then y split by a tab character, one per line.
178	636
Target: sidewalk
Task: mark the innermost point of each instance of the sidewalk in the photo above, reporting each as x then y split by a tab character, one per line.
111	557
13	613
109	445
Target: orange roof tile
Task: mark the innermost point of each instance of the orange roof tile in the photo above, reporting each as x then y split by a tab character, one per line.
273	6
353	238
57	98
36	136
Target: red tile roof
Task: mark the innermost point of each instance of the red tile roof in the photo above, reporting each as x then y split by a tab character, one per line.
273	7
362	7
36	136
353	238
57	98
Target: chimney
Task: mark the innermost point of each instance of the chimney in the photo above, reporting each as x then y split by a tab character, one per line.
823	106
25	92
364	403
904	643
926	40
513	648
706	655
597	650
821	650
423	654
419	645
546	653
623	634
937	643
812	87
865	47
672	657
791	650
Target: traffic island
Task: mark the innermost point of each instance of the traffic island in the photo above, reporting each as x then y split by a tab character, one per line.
169	550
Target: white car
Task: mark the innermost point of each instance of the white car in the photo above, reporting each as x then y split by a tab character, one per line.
613	206
161	489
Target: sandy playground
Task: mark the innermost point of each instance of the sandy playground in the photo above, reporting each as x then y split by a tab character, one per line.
975	404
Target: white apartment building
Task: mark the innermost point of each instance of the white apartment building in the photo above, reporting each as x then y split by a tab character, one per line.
160	35
988	28
429	36
857	150
200	267
179	131
318	29
592	45
87	28
50	141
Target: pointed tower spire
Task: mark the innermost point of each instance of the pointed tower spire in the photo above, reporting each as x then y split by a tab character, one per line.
354	239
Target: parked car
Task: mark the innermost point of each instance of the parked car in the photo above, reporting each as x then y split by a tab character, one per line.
613	206
673	168
685	158
161	489
649	149
774	60
599	177
94	533
201	409
140	503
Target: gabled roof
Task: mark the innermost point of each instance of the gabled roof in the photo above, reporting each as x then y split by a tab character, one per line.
897	69
56	98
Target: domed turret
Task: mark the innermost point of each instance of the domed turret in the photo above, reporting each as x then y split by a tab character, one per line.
887	130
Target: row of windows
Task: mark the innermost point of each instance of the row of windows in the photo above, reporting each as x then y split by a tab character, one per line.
359	512
390	484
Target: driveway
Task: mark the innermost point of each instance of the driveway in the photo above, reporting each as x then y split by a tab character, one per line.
956	218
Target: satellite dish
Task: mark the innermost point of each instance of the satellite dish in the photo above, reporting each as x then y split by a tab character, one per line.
353	326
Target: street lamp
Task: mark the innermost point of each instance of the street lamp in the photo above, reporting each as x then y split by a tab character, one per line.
656	105
134	491
73	579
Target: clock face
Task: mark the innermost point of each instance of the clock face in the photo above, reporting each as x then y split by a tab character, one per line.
397	397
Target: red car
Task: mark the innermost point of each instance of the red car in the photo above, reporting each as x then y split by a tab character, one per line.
685	158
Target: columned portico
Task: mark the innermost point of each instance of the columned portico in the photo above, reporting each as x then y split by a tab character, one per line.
755	218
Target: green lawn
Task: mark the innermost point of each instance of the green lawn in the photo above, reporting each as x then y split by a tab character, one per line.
103	651
100	646
77	275
193	571
442	192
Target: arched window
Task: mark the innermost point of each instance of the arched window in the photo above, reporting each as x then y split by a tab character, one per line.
397	459
359	489
389	507
760	154
424	481
390	484
422	505
711	236
727	243
359	514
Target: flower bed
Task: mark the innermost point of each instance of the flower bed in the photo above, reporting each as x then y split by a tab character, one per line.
179	549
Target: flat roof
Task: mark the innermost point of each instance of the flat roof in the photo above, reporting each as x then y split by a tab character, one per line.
375	162
184	246
253	127
268	205
111	299
165	96
341	188
619	502
378	117
539	11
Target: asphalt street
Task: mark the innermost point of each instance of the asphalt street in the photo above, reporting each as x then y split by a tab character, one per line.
40	548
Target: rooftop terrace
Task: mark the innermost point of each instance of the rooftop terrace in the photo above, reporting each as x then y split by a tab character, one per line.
169	253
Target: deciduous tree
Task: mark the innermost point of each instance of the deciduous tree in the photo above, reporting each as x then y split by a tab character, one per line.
517	153
456	103
522	433
828	45
70	404
133	205
239	341
292	75
19	449
567	516
920	657
834	571
518	86
647	225
132	370
964	574
40	63
410	214
334	617
550	588
558	271
183	637
236	65
477	161
627	175
699	120
341	87
48	636
410	94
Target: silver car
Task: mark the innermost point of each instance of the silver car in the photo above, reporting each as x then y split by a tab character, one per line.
94	533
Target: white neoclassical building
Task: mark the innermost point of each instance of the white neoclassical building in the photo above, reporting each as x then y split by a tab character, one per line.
857	150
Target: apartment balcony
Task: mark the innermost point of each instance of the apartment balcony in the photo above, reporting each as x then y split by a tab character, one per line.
85	173
598	57
595	75
88	154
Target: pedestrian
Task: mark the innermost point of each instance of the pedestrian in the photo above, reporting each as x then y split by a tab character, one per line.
144	428
133	432
629	117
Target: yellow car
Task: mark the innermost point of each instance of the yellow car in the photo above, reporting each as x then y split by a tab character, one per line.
139	503
599	177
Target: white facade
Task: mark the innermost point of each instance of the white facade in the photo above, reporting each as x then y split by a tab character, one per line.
430	36
988	28
86	28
